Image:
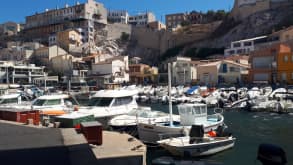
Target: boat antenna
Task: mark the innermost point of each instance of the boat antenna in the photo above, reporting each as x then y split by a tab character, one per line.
169	89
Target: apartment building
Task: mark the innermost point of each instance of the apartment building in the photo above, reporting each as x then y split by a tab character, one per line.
175	20
156	25
244	46
85	16
12	72
10	28
273	64
142	19
118	16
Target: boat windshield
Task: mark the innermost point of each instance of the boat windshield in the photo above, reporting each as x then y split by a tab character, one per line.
42	102
7	101
100	101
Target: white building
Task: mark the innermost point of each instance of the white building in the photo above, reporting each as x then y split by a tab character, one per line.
11	72
244	46
142	19
115	70
118	16
183	70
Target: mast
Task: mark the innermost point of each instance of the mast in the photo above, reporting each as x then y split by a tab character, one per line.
169	89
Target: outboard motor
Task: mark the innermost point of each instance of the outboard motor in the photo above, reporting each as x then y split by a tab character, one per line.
270	154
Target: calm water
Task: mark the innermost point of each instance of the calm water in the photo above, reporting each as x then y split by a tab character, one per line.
250	129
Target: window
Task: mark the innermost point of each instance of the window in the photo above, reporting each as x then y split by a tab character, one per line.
236	45
53	102
7	101
98	101
285	58
39	102
122	101
284	76
70	99
247	43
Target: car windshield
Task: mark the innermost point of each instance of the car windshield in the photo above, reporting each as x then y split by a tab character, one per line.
100	101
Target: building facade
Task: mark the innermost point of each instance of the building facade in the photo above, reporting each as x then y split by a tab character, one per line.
156	25
244	46
222	72
183	70
174	20
43	55
11	72
10	28
85	16
142	19
272	65
142	74
118	16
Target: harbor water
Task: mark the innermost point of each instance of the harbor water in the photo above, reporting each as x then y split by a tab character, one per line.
250	129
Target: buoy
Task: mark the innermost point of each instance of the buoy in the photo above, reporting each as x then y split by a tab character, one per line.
75	108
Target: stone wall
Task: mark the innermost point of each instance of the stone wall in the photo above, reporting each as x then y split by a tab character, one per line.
114	30
164	40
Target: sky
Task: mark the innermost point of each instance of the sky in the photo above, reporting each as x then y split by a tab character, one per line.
16	10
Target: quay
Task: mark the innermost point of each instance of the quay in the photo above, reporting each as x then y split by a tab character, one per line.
34	145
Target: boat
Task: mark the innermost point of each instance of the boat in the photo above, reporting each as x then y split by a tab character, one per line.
105	104
189	114
54	104
128	122
197	143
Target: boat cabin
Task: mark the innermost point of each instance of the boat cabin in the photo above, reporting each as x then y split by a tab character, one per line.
110	98
192	114
54	100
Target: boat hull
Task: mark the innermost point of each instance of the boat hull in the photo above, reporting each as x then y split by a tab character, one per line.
197	150
153	133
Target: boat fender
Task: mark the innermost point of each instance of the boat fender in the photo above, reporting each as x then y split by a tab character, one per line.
75	108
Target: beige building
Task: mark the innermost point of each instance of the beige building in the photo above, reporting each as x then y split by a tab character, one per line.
10	28
222	72
69	65
85	17
44	55
142	73
68	39
157	25
174	20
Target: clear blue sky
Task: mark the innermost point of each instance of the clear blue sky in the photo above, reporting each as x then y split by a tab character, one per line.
16	10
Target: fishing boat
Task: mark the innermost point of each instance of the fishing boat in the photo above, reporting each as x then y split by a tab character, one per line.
197	143
128	122
189	114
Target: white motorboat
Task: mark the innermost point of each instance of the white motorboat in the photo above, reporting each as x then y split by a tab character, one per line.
190	114
140	115
198	145
106	104
54	104
13	100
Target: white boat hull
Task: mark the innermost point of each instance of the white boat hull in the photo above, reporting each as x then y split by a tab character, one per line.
151	133
198	149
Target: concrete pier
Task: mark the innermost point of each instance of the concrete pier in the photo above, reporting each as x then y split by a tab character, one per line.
20	144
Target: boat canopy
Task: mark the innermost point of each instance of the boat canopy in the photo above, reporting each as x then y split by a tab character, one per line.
191	90
192	114
115	93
